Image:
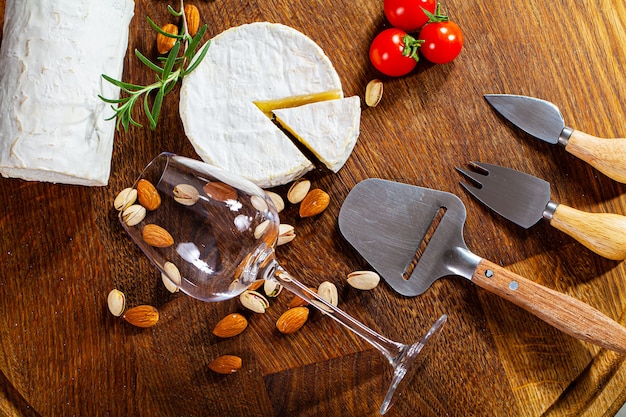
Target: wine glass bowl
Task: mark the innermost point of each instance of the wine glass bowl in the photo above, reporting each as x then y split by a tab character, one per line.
213	233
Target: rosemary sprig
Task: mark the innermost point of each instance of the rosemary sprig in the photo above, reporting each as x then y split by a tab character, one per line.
173	69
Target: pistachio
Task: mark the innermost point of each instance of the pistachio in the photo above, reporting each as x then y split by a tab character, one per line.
373	93
314	203
230	326
292	320
254	301
125	199
171	277
298	190
259	203
142	316
186	194
286	233
116	300
226	364
134	215
148	195
328	291
272	288
261	228
278	201
156	236
363	280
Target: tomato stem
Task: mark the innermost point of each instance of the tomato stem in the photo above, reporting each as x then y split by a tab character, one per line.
438	16
411	47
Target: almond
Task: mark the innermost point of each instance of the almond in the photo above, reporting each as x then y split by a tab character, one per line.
230	326
220	191
165	43
297	301
292	320
226	364
192	16
142	316
148	195
314	203
156	236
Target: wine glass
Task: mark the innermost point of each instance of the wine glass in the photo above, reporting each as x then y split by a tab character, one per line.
224	228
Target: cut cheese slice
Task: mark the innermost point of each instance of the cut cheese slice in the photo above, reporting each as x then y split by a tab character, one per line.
54	52
248	68
329	129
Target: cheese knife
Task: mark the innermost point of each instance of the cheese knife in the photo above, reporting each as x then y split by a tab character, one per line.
525	199
543	120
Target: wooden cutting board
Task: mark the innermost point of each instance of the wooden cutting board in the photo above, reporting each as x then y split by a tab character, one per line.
62	249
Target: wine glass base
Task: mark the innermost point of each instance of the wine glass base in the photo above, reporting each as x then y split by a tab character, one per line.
406	364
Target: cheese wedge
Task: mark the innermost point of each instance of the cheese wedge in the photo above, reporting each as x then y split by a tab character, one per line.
225	103
52	58
329	129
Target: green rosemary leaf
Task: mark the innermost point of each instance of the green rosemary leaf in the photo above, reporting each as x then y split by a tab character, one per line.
148	63
171	60
113	100
195	41
156	108
173	69
197	59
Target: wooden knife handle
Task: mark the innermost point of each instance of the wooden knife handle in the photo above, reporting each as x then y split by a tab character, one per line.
603	233
567	314
606	155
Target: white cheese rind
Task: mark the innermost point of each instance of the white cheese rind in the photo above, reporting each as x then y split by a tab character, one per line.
329	129
52	58
254	62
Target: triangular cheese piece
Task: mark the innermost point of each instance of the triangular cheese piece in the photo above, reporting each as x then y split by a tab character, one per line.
329	129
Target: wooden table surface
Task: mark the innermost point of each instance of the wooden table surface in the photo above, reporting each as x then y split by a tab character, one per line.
62	249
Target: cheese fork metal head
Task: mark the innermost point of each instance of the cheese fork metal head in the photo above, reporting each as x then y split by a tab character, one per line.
519	197
525	199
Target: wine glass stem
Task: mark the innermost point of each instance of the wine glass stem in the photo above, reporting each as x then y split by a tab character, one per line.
388	348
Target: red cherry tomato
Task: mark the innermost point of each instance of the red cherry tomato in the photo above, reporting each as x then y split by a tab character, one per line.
408	14
443	41
387	53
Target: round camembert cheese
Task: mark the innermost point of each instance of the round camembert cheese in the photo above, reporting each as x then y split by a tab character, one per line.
228	102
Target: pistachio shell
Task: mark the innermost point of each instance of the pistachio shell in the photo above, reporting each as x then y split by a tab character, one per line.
363	280
278	201
298	191
286	233
125	199
254	301
134	215
373	93
259	203
171	277
328	291
261	228
272	288
186	194
116	300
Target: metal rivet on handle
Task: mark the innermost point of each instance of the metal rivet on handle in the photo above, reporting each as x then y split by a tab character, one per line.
488	273
513	285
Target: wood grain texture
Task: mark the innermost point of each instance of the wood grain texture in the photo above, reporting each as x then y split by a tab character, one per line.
62	250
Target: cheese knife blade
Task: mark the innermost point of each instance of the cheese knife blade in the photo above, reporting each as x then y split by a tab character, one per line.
543	120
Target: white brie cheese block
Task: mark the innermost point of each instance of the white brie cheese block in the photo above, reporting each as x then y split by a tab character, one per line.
329	128
52	58
257	62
